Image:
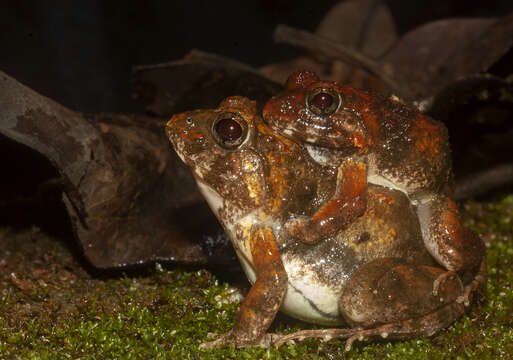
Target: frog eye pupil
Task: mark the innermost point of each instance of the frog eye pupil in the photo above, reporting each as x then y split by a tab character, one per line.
322	101
228	129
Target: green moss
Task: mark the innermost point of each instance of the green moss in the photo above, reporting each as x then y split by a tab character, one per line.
168	314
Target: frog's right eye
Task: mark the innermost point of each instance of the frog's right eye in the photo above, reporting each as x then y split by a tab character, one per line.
229	130
323	101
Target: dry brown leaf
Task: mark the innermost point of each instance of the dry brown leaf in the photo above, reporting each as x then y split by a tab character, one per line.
365	25
431	57
128	195
199	81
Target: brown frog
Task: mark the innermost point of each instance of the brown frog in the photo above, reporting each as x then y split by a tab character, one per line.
374	274
401	148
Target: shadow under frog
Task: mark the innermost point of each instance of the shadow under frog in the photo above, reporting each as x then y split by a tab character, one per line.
373	274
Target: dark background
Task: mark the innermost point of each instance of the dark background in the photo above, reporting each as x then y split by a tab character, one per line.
80	53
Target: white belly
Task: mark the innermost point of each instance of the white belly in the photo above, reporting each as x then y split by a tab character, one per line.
305	298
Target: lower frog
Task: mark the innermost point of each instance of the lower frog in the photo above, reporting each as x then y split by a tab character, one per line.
374	275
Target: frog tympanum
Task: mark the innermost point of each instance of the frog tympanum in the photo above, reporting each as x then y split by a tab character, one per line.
372	273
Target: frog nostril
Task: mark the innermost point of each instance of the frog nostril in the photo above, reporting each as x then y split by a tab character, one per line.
228	129
364	237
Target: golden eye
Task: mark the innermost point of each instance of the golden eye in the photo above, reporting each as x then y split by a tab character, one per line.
323	101
229	130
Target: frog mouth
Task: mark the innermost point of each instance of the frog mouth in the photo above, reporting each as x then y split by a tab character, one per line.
174	139
320	133
328	156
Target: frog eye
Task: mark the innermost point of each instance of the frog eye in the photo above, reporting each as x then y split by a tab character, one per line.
323	101
229	130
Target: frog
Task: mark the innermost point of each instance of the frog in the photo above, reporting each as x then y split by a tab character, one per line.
374	276
402	148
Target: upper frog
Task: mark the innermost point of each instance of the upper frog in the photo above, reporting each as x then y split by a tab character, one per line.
403	148
371	272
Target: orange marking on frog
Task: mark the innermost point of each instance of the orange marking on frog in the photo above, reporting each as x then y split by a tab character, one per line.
372	125
358	141
426	135
196	134
262	302
278	180
350	198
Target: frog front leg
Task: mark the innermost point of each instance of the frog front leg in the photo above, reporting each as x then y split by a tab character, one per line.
390	298
347	204
453	246
260	306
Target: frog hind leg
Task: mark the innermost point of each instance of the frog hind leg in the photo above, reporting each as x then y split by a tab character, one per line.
263	300
456	248
388	298
426	325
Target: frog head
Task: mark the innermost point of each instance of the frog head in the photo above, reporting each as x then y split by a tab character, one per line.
320	113
218	145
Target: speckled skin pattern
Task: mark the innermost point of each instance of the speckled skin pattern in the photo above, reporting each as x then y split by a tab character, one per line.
401	149
281	208
398	142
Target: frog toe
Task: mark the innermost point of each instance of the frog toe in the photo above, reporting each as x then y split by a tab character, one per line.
439	282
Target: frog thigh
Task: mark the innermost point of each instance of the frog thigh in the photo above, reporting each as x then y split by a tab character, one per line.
389	290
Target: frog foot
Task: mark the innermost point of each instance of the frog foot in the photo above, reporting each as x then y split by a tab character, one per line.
323	334
477	284
351	335
220	340
426	325
467	291
439	281
228	339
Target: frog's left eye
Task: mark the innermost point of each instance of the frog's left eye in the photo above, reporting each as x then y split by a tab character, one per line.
323	101
229	130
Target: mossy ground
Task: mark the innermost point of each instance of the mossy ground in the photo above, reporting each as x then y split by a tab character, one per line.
51	308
